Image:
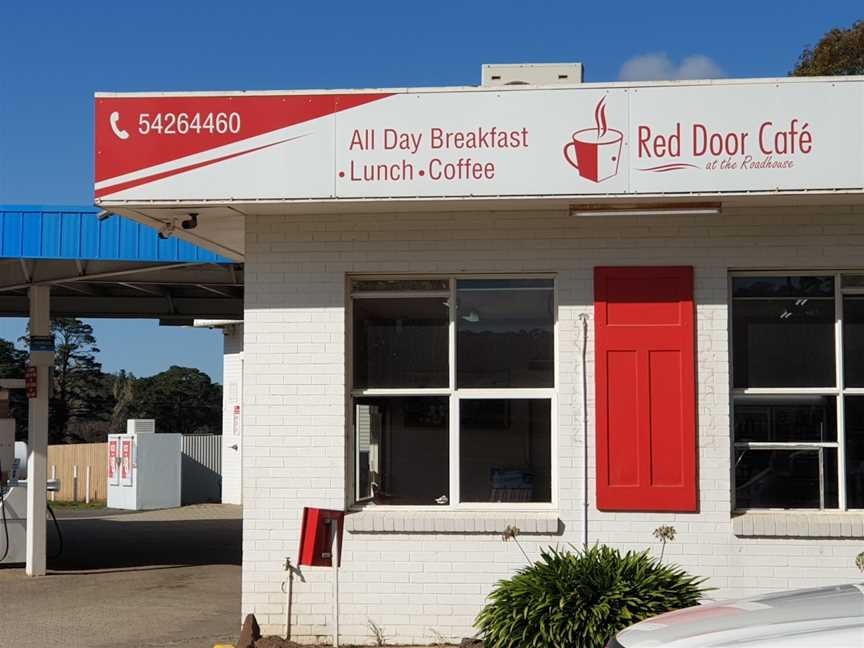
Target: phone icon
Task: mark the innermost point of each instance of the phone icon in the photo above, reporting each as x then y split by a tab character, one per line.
119	132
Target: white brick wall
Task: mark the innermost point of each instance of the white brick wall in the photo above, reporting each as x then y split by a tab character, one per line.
419	586
232	394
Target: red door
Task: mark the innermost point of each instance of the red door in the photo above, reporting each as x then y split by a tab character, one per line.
646	389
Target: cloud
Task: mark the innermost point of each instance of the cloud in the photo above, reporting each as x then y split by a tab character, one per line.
659	67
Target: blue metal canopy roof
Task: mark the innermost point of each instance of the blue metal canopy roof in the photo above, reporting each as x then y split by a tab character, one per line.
74	232
110	267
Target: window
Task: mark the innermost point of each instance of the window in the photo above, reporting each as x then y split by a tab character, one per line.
400	342
403	449
772	315
511	345
504	450
453	390
798	397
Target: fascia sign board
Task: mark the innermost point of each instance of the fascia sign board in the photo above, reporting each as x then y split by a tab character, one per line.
592	140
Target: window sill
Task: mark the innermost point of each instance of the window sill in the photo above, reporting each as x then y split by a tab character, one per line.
798	524
464	522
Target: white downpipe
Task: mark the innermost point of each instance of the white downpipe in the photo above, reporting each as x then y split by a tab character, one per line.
334	557
583	317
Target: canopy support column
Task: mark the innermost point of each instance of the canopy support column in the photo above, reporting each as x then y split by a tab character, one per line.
42	359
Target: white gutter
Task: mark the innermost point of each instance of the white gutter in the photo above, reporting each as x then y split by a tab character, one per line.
205	323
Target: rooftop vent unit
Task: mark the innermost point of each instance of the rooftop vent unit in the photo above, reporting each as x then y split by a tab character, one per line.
531	74
140	426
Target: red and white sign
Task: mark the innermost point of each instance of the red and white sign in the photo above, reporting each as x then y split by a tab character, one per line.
172	143
112	461
595	152
126	461
749	137
663	138
31	382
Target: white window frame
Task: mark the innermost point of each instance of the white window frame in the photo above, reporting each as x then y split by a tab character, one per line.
839	391
455	395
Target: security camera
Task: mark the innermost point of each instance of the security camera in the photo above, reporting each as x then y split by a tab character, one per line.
167	230
104	215
191	222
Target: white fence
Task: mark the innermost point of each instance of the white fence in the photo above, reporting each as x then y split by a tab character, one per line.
202	468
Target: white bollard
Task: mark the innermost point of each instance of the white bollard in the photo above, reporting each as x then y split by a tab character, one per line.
53	477
87	484
75	483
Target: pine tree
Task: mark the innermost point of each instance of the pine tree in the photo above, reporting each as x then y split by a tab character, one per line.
78	389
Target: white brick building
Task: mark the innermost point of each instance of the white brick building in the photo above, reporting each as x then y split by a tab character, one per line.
417	584
420	363
232	414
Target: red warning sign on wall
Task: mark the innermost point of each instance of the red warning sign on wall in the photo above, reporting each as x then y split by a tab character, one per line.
31	377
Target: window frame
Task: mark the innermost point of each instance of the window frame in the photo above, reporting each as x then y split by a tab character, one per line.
839	391
454	394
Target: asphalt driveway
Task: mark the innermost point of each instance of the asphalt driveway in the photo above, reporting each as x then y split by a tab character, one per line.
126	580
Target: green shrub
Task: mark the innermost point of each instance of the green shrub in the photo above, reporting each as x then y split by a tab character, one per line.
581	599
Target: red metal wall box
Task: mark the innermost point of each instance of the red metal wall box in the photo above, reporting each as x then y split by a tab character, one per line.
316	536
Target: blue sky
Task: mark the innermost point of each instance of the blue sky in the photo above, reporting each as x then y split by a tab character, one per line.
55	55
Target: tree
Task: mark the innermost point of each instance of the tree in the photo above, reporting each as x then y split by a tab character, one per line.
124	394
79	391
181	399
13	363
97	423
839	52
86	405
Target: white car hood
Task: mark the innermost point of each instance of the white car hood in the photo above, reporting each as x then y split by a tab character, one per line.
829	616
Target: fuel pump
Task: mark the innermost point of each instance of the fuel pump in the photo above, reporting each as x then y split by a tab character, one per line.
13	485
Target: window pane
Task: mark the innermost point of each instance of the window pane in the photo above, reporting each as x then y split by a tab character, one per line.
781	342
786	419
853	341
785	478
505	450
783	286
852	281
505	284
505	333
400	343
403	454
405	285
854	419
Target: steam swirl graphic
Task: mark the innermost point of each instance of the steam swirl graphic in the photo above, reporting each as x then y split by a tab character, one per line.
600	117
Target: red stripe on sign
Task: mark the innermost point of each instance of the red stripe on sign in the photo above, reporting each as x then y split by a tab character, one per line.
120	186
646	389
135	133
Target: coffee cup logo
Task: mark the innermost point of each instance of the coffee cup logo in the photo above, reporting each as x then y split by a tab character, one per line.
595	152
